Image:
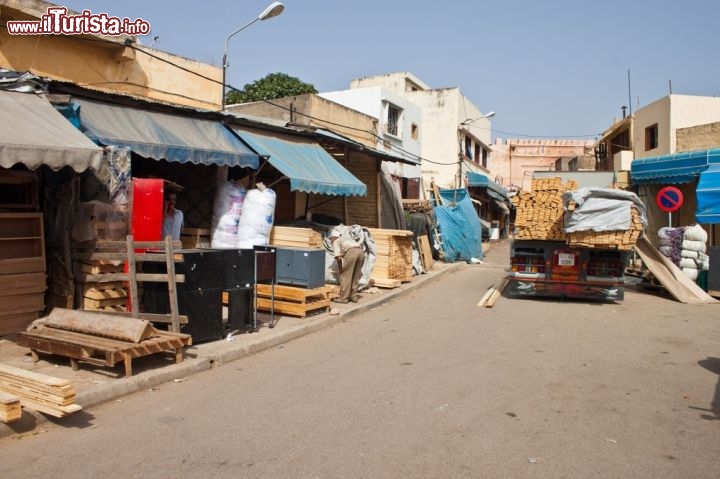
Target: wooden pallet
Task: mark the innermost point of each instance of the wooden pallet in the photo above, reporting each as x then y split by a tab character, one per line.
293	301
98	350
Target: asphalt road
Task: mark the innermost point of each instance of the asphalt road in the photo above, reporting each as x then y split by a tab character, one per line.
426	386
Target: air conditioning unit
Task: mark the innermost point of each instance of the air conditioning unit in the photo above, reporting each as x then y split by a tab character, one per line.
622	160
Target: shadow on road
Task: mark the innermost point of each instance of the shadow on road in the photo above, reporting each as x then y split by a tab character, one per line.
712	364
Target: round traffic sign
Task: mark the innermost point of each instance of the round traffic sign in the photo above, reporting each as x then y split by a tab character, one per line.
669	199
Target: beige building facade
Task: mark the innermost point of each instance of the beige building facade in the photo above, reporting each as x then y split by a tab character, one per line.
109	64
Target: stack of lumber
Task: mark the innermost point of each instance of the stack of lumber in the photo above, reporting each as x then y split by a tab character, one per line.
620	239
293	301
295	237
393	263
413	206
193	238
104	296
46	394
539	213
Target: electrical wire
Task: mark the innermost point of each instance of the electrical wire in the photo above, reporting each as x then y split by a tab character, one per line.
129	44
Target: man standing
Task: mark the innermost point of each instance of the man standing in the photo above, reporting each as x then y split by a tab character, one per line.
172	217
350	258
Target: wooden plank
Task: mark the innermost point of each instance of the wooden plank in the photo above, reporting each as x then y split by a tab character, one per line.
385	282
22	283
292	308
290	292
22	303
485	297
10	407
98	324
425	252
17	322
100	294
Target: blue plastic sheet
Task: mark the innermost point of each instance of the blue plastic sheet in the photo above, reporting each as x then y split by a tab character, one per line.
460	227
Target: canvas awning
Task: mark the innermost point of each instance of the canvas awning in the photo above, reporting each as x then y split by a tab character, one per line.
33	133
678	168
165	136
309	167
708	196
494	190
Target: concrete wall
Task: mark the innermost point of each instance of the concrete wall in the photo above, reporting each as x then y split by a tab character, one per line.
105	63
316	111
517	159
671	113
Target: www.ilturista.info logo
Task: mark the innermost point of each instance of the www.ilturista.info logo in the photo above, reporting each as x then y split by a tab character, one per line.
57	22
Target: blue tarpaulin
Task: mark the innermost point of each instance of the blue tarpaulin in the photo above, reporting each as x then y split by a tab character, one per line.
460	227
308	166
708	196
165	136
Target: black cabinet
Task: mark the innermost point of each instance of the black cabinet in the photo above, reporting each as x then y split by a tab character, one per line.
208	272
303	267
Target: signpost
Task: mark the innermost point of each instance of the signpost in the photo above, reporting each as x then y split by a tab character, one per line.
669	199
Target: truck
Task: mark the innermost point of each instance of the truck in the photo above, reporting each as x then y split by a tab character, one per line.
572	242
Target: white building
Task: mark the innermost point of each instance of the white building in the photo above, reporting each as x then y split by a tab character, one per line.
398	123
451	132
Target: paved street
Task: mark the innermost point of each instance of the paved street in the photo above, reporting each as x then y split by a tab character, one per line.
426	386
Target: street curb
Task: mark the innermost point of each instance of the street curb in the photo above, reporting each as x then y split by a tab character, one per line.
207	360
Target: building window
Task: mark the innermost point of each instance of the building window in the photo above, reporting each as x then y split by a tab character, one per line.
414	131
393	120
484	158
651	137
468	147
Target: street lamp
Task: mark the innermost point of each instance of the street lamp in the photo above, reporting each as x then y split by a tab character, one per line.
461	153
472	120
272	10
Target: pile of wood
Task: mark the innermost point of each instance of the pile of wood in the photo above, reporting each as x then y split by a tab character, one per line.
104	296
393	263
292	300
620	239
414	206
40	392
295	237
539	213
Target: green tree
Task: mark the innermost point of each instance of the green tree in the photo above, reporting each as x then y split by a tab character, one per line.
274	85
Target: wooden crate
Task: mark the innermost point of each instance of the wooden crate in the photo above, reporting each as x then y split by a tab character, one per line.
292	300
193	238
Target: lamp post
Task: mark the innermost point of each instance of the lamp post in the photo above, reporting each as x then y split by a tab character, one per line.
461	154
272	10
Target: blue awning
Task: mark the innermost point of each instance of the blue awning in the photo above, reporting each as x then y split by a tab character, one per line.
708	196
164	136
493	189
310	168
678	168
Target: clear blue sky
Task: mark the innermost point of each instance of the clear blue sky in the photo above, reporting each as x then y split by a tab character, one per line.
554	68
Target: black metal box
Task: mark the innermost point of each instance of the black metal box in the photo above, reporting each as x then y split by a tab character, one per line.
300	267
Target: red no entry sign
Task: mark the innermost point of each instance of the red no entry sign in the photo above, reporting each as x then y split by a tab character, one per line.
669	199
